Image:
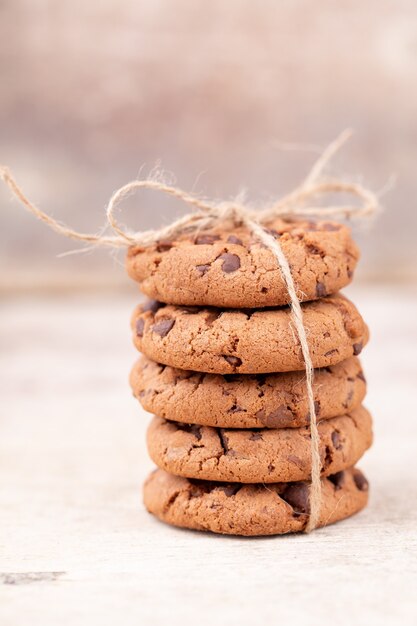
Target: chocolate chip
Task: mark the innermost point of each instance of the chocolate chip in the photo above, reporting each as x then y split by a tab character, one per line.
140	326
350	273
357	348
200	487
360	481
361	376
190	428
330	226
163	327
236	409
281	413
337	479
163	246
336	440
230	490
151	305
232	360
321	290
328	457
256	436
277	418
271	468
315	250
234	239
297	496
202	269
231	262
264	290
206	239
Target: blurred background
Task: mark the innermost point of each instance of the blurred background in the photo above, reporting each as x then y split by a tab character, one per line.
225	95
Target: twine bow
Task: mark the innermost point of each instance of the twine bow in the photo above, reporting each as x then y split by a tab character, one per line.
207	214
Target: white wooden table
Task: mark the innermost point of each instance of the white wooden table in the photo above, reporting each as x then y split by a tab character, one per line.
76	545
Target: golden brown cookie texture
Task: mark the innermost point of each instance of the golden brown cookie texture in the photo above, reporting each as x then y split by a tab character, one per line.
251	510
228	267
248	341
255	456
246	401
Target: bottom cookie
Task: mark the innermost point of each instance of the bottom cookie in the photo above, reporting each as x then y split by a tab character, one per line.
251	510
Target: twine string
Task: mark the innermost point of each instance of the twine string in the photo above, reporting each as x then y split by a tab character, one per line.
297	317
205	214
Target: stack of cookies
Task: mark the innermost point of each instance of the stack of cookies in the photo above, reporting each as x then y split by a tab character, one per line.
223	372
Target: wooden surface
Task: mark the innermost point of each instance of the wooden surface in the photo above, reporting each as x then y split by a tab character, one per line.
76	545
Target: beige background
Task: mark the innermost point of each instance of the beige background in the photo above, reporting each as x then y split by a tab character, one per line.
91	92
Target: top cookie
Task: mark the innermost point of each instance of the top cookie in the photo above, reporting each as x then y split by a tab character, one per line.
228	267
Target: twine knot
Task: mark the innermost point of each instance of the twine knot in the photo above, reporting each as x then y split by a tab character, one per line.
230	211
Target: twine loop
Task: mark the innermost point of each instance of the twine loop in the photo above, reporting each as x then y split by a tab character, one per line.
299	203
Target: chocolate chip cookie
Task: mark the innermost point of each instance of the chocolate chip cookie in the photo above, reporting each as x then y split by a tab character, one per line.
255	456
228	267
246	401
251	510
248	341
